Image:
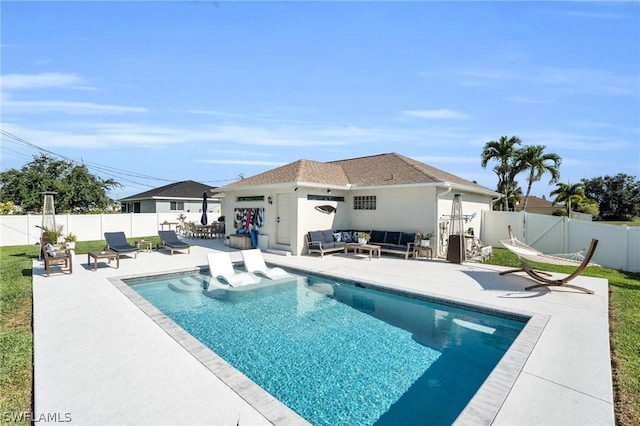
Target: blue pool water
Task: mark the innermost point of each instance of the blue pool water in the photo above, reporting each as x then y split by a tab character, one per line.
340	354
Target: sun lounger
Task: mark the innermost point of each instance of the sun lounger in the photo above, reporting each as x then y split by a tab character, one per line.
254	262
221	268
117	243
170	241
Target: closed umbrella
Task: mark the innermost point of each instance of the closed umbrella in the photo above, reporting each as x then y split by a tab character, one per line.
203	219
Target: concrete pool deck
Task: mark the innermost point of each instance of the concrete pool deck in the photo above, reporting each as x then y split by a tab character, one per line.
99	359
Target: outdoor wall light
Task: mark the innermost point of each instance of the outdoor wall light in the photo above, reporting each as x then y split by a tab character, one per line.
269	199
328	191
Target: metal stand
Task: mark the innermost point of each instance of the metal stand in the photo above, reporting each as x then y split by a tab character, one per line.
48	217
456	252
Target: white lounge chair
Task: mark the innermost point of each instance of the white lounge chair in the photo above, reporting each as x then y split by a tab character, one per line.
221	268
254	263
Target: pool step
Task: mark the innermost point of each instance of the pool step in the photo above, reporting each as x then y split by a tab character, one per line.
186	285
191	282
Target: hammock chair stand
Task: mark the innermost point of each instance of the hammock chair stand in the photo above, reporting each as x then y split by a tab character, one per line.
520	250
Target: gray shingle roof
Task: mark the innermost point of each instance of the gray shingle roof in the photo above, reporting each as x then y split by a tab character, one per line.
375	170
184	189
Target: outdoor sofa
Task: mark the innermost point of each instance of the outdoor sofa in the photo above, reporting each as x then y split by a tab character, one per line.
394	242
391	242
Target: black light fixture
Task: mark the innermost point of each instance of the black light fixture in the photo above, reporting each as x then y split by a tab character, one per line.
269	199
328	191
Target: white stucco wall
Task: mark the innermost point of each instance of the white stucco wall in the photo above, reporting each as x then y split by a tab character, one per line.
409	209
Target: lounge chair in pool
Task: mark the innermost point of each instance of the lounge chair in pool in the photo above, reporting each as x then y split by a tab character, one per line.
221	268
169	240
254	262
117	242
523	251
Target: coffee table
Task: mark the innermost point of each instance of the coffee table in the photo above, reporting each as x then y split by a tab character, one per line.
102	255
357	248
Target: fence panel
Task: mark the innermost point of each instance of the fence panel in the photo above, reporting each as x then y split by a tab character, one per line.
618	246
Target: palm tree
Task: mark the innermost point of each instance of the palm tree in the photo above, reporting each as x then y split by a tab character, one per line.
537	162
503	152
514	194
568	193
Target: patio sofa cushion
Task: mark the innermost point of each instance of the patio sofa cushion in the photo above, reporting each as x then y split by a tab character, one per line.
406	238
377	237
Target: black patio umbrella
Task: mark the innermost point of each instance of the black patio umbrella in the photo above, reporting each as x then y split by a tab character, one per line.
203	219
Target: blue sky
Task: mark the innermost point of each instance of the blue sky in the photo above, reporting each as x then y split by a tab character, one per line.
154	92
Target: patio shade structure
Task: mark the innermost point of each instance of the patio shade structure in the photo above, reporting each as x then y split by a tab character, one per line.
203	219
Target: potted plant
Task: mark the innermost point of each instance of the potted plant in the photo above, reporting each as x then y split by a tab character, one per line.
70	241
52	235
363	237
425	239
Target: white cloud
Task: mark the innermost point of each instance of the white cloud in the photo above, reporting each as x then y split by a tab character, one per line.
10	106
435	114
40	81
557	81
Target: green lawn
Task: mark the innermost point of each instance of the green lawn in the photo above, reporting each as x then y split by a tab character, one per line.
16	338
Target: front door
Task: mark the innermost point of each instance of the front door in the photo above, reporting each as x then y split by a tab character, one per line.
283	233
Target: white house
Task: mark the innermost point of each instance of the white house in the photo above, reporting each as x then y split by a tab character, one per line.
384	192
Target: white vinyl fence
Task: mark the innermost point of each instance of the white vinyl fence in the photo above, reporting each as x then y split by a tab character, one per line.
618	246
23	229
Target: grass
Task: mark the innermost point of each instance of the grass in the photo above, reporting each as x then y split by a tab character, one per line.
16	337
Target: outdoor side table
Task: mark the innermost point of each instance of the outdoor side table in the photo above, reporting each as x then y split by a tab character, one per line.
144	245
96	255
418	251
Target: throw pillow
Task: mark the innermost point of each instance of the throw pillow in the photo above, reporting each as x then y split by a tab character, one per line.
50	249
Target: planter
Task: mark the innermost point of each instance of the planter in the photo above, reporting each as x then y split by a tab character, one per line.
425	243
71	245
362	241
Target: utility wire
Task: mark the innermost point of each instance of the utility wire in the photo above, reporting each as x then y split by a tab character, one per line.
106	170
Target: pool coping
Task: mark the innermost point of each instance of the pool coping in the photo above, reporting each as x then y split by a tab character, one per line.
481	409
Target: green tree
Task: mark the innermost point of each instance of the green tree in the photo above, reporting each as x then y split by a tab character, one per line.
533	159
618	196
76	189
502	151
568	194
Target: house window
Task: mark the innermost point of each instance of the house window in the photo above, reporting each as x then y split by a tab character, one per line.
177	205
365	202
251	198
130	207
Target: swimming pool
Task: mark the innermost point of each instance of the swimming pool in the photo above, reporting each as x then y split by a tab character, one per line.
340	353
